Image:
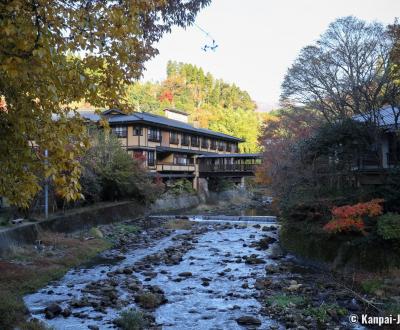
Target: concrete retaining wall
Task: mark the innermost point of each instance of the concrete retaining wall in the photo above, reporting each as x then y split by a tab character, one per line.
88	217
176	203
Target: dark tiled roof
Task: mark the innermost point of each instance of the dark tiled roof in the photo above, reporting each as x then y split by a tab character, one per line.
384	117
144	117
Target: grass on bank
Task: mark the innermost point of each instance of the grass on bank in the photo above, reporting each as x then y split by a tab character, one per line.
177	224
26	270
131	319
284	301
323	312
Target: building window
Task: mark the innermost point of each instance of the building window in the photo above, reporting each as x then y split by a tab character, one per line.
119	131
151	160
221	145
204	143
174	138
180	160
228	147
154	134
234	147
213	145
185	140
195	141
137	131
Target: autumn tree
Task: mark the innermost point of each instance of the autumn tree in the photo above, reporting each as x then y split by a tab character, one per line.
210	102
53	53
282	163
346	72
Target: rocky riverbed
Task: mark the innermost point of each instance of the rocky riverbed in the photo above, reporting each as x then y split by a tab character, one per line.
208	276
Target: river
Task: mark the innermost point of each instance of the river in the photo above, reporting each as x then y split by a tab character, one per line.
206	278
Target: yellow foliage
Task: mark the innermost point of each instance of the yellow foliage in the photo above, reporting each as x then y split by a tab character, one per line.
54	53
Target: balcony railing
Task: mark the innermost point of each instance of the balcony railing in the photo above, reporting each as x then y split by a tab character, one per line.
368	161
183	161
154	138
171	167
393	159
227	167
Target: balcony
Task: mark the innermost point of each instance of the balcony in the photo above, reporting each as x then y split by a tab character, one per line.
154	138
171	167
217	168
195	142
393	160
368	161
205	144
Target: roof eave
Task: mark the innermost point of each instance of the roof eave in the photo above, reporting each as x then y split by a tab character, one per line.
142	121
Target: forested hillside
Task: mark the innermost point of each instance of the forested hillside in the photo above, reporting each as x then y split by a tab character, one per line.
211	103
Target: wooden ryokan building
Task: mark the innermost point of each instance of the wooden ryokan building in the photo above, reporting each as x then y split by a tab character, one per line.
172	148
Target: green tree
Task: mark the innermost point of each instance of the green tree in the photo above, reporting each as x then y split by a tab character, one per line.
41	72
210	102
112	172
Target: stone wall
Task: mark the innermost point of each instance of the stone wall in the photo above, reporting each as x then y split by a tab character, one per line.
103	213
87	217
169	203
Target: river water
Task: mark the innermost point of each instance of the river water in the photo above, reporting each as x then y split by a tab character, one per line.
217	256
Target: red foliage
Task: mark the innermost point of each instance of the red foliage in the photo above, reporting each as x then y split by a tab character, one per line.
139	156
350	217
166	96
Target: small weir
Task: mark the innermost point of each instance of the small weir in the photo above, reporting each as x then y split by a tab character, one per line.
269	219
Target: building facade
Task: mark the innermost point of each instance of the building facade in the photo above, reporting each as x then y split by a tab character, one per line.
172	148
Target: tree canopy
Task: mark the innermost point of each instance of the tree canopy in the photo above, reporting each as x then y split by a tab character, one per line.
53	53
210	102
348	71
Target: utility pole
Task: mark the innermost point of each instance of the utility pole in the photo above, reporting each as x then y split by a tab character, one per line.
46	186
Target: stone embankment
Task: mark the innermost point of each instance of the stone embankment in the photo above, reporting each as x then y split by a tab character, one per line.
87	217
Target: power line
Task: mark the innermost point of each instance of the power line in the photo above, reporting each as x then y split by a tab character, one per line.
213	46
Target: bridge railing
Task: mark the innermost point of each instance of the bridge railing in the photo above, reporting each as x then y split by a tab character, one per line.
227	167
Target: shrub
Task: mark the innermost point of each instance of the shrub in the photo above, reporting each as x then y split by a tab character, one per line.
389	226
110	172
371	285
350	217
148	300
181	186
131	320
322	313
91	187
220	184
12	309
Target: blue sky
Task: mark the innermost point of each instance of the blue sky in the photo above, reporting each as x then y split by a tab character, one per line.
259	39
